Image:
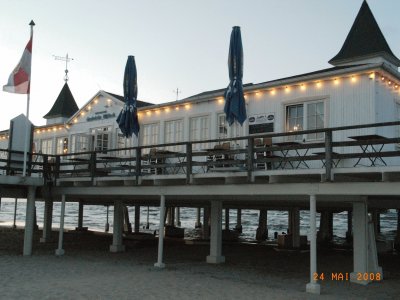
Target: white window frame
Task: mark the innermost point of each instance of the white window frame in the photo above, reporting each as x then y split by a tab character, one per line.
62	145
226	131
46	146
199	130
151	134
305	116
102	138
173	133
80	142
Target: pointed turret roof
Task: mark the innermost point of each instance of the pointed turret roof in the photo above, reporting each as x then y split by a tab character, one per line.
65	105
365	40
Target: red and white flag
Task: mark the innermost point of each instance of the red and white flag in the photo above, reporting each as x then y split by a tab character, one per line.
19	80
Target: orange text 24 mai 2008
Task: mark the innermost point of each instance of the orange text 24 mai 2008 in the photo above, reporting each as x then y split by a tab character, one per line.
339	276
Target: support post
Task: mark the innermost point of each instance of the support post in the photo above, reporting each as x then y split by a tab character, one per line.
137	219
159	263
107	226
47	220
206	224
198	216
178	216
127	227
148	216
325	233
239	227
80	216
360	242
364	246
328	155
29	221
313	287
60	251
349	232
226	218
294	226
15	213
117	228
397	239
215	256
262	230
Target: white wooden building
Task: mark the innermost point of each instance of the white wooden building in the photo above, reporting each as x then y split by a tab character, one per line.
361	87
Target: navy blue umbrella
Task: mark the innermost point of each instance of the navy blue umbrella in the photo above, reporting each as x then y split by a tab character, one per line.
235	107
127	119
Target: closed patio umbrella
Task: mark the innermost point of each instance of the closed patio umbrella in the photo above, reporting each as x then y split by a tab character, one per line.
127	119
235	107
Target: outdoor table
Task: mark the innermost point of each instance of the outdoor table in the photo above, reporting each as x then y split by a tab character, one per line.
79	160
335	158
371	146
285	154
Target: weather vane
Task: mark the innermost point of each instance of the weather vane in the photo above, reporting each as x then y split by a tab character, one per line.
67	60
177	92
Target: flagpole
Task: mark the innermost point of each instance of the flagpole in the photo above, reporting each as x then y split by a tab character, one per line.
28	96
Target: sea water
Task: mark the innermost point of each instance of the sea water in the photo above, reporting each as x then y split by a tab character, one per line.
95	216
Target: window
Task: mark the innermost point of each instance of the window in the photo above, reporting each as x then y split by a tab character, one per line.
200	130
151	134
123	142
222	132
174	134
80	143
305	116
226	131
62	145
102	138
46	146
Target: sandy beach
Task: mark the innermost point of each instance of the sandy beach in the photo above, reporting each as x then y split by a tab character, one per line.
89	271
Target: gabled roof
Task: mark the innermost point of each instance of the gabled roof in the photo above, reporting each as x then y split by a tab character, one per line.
365	39
65	105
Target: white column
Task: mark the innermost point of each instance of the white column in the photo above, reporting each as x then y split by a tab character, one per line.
47	220
29	221
159	263
117	228
313	287
360	242
215	256
60	251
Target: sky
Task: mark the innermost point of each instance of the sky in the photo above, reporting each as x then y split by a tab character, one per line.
176	43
